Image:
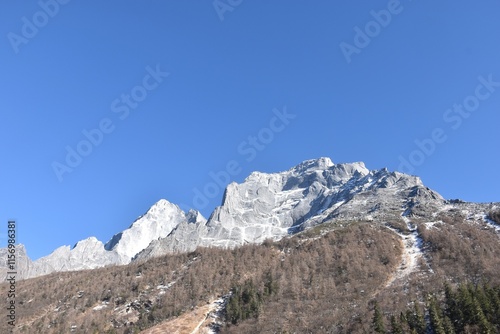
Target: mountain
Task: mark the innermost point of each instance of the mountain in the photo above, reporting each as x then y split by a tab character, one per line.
275	205
91	253
24	263
158	222
318	248
264	206
86	254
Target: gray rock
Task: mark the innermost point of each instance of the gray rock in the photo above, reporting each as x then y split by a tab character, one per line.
275	205
86	254
23	263
156	223
263	206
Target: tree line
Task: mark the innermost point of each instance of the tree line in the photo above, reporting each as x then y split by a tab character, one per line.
466	309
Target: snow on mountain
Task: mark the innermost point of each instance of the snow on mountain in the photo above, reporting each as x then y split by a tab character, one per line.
264	205
86	254
273	205
156	223
91	253
278	204
195	217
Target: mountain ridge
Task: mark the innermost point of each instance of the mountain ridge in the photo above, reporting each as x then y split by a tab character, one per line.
264	206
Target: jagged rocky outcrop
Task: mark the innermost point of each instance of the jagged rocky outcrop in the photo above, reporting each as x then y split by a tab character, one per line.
263	206
315	191
91	253
157	223
23	263
86	254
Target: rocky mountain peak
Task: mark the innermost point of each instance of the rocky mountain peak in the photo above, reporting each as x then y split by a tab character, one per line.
90	241
313	164
264	205
156	223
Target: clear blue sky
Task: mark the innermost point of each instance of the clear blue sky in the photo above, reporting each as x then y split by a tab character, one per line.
87	65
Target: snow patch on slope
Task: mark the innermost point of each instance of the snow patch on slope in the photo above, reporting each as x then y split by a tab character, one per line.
491	223
412	252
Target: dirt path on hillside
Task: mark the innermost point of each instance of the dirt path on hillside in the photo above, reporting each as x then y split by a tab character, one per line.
197	321
28	322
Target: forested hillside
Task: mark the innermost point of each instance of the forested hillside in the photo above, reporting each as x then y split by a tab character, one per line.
357	277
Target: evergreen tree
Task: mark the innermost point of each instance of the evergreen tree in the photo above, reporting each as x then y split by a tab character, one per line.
483	300
233	308
452	311
378	321
465	311
244	303
480	319
396	327
494	300
403	321
448	325
436	317
270	285
416	320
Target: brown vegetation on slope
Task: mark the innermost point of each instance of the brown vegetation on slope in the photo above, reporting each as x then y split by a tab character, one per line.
322	282
348	263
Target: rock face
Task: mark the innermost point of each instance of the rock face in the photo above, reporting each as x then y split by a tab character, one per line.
158	222
275	205
263	206
86	254
91	253
23	262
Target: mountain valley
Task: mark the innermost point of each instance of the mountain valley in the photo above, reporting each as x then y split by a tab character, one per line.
319	248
